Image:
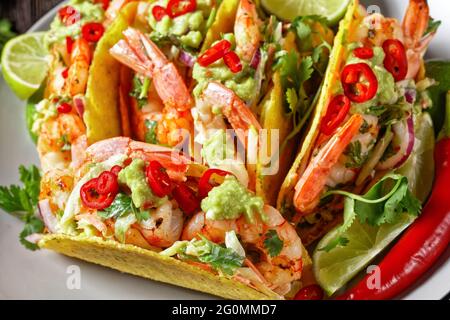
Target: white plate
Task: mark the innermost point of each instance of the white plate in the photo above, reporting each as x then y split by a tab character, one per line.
47	275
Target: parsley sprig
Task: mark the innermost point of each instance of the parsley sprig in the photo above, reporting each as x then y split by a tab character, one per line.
21	202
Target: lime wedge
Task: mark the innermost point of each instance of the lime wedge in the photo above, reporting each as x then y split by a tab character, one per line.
333	10
25	63
335	268
419	168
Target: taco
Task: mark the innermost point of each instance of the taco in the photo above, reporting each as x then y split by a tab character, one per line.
149	211
172	87
363	128
61	113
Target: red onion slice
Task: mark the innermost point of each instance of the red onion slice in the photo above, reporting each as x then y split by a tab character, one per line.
404	141
410	95
79	104
186	58
48	217
256	59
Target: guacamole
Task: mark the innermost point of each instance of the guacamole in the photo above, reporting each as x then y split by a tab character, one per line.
189	29
89	12
230	200
387	92
133	176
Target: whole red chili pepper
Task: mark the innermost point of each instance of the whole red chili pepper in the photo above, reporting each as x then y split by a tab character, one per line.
176	8
216	52
395	60
363	53
204	187
336	112
422	243
92	31
359	82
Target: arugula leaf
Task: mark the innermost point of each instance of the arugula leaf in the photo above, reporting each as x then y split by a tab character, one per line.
384	203
273	243
22	203
150	134
140	90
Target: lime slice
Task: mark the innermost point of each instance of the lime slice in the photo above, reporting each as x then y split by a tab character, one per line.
335	268
25	63
333	10
419	168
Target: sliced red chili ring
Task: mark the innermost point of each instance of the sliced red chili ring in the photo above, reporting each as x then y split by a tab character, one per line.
68	15
64	108
216	52
186	198
204	187
176	8
92	199
105	3
359	82
92	31
69	44
158	179
363	53
116	169
233	62
65	73
395	60
107	183
337	110
311	292
158	12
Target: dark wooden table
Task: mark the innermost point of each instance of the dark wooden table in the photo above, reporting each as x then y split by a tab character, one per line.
23	13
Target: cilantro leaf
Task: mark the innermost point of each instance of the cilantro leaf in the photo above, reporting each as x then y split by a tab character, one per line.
356	158
122	205
5	32
140	90
22	203
292	98
150	134
305	70
273	243
220	258
433	25
384	203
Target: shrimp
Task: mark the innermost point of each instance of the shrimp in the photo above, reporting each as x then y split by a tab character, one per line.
113	10
143	56
78	74
55	136
56	186
410	32
246	29
164	226
279	271
312	183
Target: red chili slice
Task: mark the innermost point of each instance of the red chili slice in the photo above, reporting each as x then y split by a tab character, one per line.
69	44
64	108
105	3
395	60
107	183
233	62
336	112
176	8
186	198
158	179
92	199
68	15
204	187
311	292
363	53
92	31
116	170
216	52
159	12
359	82
65	73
